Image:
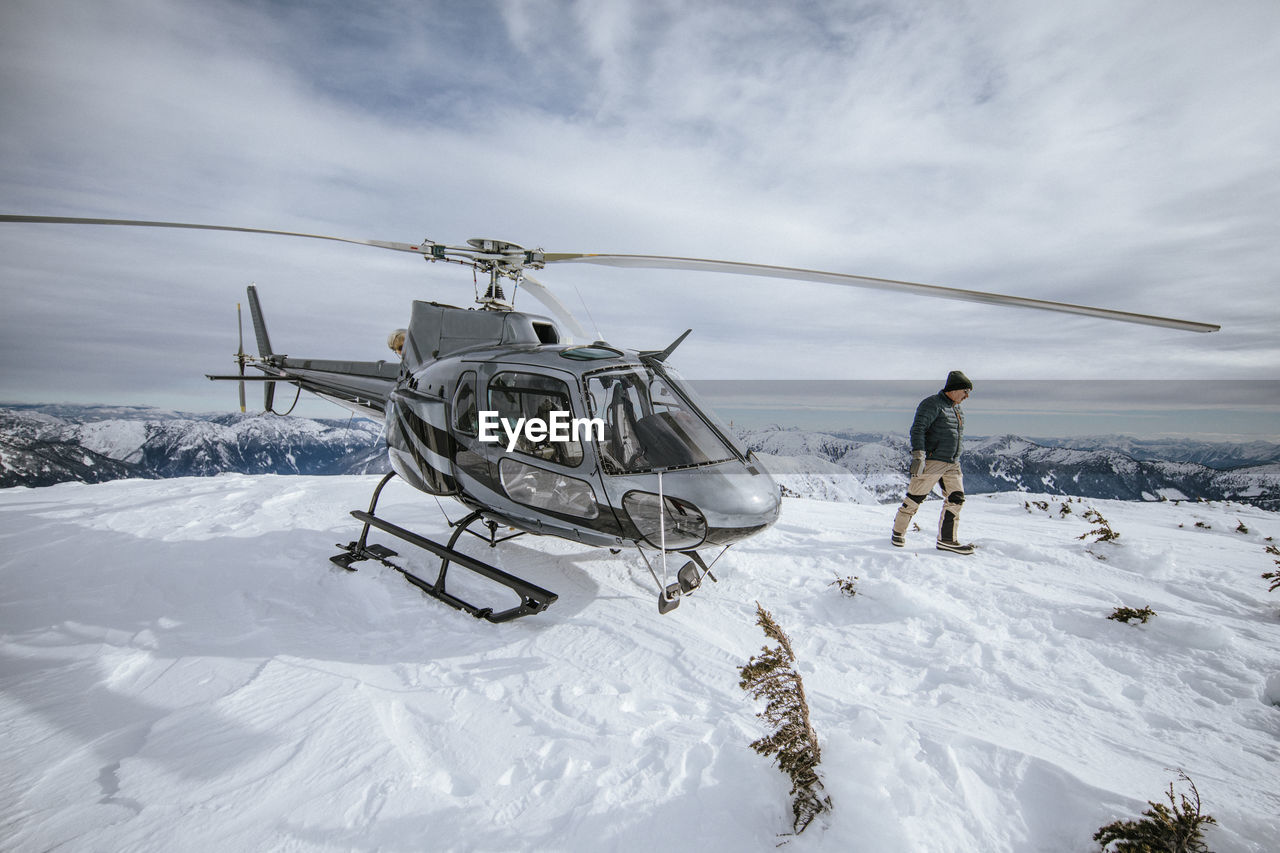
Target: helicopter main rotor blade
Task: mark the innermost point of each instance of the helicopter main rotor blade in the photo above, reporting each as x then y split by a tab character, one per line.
480	252
71	220
705	265
539	291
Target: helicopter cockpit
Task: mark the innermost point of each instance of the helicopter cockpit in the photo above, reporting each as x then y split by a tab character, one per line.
651	422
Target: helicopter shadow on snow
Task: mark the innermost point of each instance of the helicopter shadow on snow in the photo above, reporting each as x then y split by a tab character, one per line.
578	574
106	629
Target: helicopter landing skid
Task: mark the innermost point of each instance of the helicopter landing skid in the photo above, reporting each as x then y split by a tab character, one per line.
533	598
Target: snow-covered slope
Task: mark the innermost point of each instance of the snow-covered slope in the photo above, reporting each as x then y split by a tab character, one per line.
813	477
181	668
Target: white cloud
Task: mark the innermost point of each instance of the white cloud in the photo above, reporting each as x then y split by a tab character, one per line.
1115	154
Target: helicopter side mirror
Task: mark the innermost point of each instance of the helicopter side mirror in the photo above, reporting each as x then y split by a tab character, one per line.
687	580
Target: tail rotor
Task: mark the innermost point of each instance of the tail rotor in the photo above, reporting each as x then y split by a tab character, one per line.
265	361
240	356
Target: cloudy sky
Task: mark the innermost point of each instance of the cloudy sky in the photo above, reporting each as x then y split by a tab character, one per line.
1120	154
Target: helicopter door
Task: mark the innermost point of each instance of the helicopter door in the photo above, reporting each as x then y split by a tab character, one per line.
551	479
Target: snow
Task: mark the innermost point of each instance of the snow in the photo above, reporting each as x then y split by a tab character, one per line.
115	439
182	668
813	476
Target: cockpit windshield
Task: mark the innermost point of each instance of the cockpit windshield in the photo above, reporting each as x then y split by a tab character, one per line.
650	423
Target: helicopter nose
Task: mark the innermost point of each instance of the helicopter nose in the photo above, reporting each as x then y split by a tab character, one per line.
738	503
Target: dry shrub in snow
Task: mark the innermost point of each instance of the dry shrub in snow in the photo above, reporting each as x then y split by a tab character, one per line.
771	676
1175	828
1102	532
1125	614
848	585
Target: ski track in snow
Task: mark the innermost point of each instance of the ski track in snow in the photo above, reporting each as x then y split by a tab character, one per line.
182	668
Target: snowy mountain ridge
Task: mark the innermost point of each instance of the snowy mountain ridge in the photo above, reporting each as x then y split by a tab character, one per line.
42	445
1011	463
1221	455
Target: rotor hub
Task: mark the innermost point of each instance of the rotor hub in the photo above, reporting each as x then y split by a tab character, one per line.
495	247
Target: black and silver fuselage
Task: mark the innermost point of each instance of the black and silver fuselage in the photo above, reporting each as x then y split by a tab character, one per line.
648	465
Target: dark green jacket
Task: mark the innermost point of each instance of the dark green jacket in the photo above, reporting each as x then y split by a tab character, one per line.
938	429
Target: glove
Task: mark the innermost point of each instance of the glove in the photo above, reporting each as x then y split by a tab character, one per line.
917	462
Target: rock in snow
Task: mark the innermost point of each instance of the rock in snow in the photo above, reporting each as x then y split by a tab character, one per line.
184	669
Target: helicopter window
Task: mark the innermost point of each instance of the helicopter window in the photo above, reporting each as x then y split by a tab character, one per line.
538	487
531	395
466	418
684	391
648	425
590	353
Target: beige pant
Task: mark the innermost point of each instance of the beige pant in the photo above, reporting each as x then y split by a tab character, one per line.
935	471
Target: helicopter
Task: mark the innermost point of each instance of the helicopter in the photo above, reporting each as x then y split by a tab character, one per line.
536	431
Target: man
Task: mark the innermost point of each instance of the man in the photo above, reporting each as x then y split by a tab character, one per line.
936	435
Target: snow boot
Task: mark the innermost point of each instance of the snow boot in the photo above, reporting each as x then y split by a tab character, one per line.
898	539
947	528
954	546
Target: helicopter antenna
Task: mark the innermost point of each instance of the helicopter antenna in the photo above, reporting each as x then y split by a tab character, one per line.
663	354
594	325
662	528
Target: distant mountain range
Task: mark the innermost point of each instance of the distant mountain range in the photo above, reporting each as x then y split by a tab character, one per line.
1212	454
42	445
1084	467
